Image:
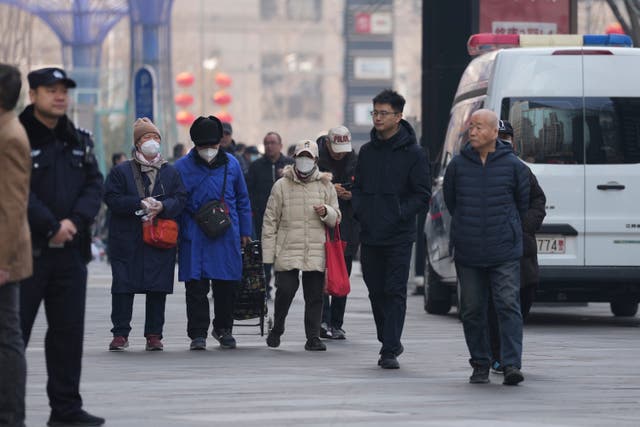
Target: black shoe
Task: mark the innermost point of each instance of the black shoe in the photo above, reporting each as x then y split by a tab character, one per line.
325	331
480	375
80	418
314	344
273	340
338	334
199	343
497	368
388	361
225	338
512	376
398	353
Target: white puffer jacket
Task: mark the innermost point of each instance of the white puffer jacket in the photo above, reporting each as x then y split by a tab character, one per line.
293	234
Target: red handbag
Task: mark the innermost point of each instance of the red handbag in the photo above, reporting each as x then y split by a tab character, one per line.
336	275
160	233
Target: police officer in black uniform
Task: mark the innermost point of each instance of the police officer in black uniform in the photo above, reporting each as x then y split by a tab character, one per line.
66	191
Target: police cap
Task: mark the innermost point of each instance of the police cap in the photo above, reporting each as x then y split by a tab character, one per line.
48	77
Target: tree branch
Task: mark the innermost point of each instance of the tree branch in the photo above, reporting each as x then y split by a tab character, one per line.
616	12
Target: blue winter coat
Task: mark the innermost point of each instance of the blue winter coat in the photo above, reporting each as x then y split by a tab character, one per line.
199	256
137	267
486	203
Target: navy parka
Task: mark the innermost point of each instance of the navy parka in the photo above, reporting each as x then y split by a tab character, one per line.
486	203
136	266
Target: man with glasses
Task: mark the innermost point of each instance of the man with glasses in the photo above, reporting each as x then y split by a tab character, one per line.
391	186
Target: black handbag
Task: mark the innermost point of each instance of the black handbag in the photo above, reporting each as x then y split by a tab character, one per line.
213	217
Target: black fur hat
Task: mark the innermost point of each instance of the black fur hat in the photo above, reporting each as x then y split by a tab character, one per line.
206	131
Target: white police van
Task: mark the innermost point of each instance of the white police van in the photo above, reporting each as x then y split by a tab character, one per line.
574	103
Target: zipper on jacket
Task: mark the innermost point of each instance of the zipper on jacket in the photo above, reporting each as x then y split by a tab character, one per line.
273	172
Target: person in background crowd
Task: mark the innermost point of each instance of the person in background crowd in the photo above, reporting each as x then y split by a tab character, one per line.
249	155
300	206
391	186
66	192
118	158
529	274
291	150
15	251
263	173
227	143
211	263
179	150
486	189
138	268
337	156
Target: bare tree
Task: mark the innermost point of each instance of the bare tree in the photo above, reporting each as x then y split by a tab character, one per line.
629	17
15	36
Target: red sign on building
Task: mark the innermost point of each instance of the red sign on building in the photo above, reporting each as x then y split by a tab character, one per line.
526	16
363	23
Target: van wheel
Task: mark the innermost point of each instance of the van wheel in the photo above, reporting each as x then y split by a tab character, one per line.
437	296
624	308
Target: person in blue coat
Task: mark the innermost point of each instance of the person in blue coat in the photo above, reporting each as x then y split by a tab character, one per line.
486	189
211	263
137	267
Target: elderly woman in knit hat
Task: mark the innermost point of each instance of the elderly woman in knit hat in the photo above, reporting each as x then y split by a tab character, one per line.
138	190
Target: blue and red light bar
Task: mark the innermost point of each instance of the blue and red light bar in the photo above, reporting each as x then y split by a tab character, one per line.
487	42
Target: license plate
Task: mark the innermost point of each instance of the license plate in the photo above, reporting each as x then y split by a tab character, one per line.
551	245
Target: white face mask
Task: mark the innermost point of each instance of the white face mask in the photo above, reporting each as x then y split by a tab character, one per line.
150	147
305	164
208	154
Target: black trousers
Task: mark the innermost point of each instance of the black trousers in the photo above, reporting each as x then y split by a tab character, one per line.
527	295
122	310
60	280
385	270
198	315
287	283
13	367
333	307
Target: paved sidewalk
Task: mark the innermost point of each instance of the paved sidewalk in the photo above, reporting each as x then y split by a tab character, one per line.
582	368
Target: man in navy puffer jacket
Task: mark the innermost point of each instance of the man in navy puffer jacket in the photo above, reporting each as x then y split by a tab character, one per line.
486	189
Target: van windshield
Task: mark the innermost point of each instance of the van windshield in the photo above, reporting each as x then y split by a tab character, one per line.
566	130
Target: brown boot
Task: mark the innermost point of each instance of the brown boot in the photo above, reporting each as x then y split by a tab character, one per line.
119	343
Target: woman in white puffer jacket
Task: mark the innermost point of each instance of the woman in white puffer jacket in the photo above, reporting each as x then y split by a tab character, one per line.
300	206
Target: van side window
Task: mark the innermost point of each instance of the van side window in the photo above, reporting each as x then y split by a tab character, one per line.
574	130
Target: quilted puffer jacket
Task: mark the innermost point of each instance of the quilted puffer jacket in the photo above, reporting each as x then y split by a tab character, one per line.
293	234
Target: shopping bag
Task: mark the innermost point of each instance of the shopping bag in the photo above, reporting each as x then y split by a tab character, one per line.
336	275
160	233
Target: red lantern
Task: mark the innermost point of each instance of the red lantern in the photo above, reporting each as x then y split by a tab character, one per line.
185	79
183	99
614	28
224	117
185	118
223	80
221	97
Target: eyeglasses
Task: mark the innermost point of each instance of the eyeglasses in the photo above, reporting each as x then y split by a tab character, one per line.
382	114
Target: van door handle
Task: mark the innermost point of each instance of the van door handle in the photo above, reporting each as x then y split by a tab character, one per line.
611	186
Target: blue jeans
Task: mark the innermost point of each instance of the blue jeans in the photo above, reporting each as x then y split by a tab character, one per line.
504	282
13	368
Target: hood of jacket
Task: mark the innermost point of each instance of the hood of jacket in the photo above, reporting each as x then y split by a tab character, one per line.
39	134
289	173
404	137
502	149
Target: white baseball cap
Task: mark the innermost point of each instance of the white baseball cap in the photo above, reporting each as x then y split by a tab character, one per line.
308	146
340	139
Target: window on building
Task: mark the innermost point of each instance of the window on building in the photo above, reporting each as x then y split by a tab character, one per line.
291	86
293	10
